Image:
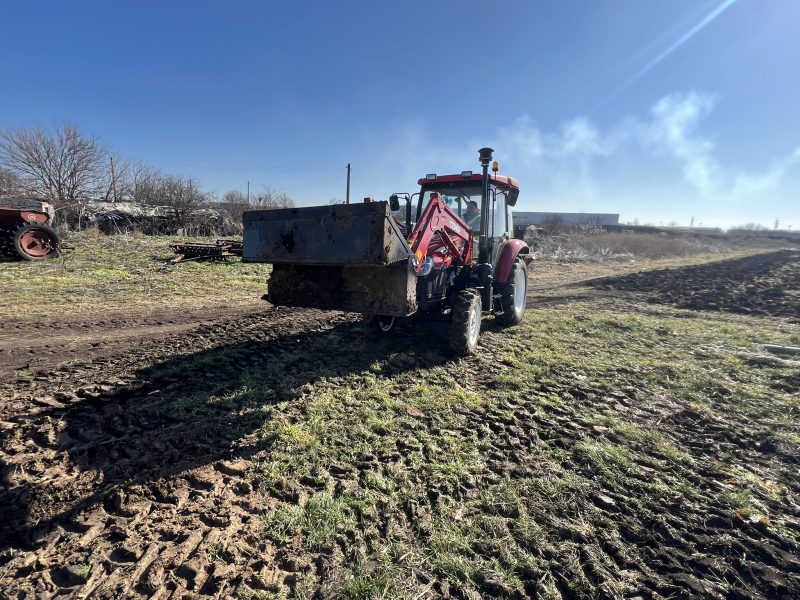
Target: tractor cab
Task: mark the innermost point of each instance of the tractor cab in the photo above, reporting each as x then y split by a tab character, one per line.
463	194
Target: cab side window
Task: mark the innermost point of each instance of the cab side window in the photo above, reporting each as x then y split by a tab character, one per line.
498	223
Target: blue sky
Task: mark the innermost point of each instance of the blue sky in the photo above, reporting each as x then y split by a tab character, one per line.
662	110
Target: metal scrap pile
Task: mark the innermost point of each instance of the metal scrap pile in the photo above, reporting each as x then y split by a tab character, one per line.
124	217
219	250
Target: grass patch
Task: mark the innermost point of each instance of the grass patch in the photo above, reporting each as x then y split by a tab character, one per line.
123	273
318	521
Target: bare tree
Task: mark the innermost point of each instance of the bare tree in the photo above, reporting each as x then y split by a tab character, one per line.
183	195
235	203
144	183
10	184
119	186
270	198
62	165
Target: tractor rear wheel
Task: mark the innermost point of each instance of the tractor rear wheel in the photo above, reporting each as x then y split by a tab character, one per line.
465	326
512	295
36	241
7	242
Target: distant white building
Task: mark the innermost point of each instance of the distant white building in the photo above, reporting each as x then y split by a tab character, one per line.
581	218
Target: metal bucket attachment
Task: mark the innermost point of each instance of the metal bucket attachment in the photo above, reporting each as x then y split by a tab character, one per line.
389	290
349	257
340	234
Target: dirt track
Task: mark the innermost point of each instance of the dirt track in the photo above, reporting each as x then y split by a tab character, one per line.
99	439
113	488
764	284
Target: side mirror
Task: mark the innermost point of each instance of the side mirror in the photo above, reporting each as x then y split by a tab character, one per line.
394	202
511	197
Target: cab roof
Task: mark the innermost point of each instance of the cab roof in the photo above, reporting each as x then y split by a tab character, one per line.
503	180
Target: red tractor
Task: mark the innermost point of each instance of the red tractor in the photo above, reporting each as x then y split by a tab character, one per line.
358	258
25	230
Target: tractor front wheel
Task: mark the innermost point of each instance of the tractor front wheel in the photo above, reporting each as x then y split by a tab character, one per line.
384	324
512	295
35	241
465	326
380	324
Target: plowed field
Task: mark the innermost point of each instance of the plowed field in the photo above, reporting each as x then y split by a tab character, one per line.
629	439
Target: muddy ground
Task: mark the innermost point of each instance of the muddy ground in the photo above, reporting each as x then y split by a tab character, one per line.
763	284
263	453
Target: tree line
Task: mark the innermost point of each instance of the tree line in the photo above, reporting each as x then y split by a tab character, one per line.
67	168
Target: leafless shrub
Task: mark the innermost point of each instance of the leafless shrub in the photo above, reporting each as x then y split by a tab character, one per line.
121	179
552	225
269	198
235	203
145	184
10	184
71	170
62	165
183	195
616	246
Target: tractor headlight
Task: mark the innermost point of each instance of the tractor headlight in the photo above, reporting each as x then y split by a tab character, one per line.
426	267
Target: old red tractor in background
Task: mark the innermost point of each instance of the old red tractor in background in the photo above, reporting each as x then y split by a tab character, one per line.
25	229
452	259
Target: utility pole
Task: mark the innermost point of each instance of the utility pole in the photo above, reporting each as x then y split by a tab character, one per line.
347	196
113	185
113	179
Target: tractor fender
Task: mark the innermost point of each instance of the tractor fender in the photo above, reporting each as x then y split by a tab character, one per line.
34	217
508	255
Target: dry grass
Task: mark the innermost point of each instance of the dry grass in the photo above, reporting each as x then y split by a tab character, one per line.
602	246
121	273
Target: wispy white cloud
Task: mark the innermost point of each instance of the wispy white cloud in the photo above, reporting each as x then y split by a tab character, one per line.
524	141
665	152
673	130
579	138
746	184
671	133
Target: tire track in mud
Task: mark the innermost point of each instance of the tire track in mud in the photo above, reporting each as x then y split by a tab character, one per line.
763	284
38	347
692	542
127	494
143	499
77	363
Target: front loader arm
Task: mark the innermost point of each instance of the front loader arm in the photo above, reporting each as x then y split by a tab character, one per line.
438	218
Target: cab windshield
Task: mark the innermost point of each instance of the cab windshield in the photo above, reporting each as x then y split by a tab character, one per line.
464	200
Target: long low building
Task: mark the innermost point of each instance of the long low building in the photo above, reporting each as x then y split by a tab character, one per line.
580	218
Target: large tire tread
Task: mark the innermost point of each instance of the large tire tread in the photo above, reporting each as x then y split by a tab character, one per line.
55	241
460	342
510	316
